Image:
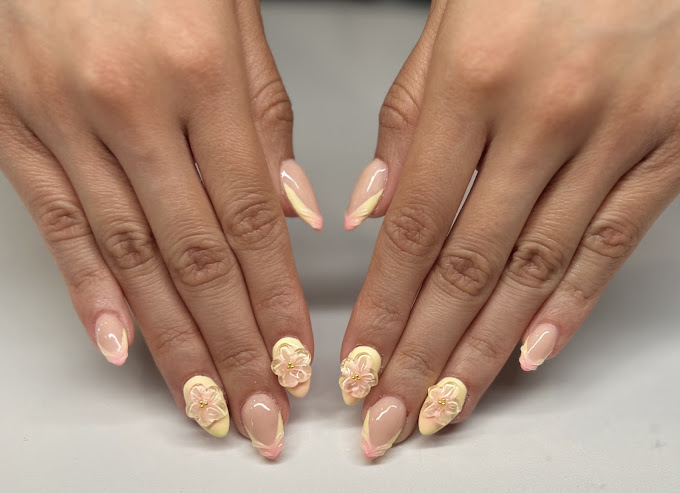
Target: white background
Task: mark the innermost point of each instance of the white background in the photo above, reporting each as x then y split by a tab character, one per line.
602	417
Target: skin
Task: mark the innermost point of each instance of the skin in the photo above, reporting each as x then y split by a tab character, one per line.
570	113
104	108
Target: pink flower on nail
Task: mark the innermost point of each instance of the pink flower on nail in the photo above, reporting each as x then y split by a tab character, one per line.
441	404
206	405
292	365
358	376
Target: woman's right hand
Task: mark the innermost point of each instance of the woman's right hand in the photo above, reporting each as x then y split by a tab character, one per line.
105	106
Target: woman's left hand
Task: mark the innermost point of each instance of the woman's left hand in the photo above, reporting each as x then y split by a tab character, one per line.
570	112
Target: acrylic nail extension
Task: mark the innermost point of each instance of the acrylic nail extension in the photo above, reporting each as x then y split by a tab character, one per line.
367	192
300	194
112	338
359	373
205	403
264	425
291	363
382	426
538	346
443	403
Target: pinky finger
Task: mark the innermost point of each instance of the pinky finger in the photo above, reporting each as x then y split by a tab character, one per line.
47	193
626	215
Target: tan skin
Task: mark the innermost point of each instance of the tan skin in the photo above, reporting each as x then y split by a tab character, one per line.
568	110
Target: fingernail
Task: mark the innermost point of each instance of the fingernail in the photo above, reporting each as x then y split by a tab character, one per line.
205	403
538	346
112	338
443	403
264	425
291	362
383	423
367	192
359	373
300	194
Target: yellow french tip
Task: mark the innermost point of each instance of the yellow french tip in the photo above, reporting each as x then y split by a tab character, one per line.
207	389
429	425
305	213
359	214
300	390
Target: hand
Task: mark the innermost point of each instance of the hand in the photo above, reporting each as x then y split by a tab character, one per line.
104	108
570	113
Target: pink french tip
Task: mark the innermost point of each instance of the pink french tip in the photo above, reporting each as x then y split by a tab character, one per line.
371	452
526	366
118	360
271	453
316	223
351	222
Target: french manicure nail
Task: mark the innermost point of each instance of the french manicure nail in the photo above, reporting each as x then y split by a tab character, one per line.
359	373
382	426
112	338
300	194
264	425
367	192
205	403
291	362
443	403
538	346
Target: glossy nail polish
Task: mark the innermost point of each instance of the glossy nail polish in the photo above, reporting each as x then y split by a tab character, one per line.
366	194
537	347
359	373
382	426
112	338
300	194
264	425
291	362
443	403
206	405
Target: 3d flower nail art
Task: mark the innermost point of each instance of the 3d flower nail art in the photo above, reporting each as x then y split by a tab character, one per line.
443	403
359	373
291	362
205	403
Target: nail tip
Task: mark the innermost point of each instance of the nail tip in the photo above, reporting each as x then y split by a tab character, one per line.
300	390
117	360
271	453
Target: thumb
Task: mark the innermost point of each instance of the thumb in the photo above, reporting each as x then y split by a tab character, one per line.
273	116
399	116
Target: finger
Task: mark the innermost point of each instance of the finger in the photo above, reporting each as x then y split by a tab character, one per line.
445	152
48	195
129	248
538	261
273	117
237	181
615	231
399	116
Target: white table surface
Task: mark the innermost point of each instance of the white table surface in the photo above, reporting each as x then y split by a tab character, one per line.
604	416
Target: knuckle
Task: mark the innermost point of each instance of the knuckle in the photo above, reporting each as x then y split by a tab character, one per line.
61	219
194	54
233	356
271	105
463	273
199	261
380	316
400	110
171	341
611	237
416	361
128	245
109	81
536	263
411	230
255	221
486	346
280	297
481	66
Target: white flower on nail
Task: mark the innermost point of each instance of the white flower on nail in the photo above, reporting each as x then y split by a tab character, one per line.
292	365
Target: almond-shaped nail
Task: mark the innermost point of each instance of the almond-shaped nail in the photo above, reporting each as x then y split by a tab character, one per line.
291	363
205	403
264	425
367	192
443	403
382	426
300	194
112	338
537	347
359	373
